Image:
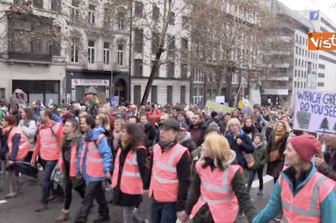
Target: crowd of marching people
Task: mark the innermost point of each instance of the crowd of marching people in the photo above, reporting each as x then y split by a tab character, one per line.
195	165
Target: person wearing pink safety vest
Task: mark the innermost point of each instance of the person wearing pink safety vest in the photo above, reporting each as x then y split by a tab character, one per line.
218	190
170	175
130	172
301	193
14	147
94	166
68	164
48	148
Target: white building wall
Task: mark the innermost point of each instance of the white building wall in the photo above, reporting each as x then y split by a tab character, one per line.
326	71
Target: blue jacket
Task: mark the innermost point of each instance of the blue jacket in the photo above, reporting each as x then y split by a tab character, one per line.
327	206
247	146
104	150
57	119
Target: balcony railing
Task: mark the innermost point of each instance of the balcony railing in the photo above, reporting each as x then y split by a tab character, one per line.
29	57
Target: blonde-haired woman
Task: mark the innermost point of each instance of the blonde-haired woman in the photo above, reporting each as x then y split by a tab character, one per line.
218	188
239	141
276	146
119	124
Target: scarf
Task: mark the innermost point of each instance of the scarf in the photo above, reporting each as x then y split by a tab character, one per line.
279	135
256	146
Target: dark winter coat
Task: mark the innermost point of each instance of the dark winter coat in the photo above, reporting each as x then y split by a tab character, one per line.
246	147
250	131
188	143
274	168
328	168
260	156
198	133
150	133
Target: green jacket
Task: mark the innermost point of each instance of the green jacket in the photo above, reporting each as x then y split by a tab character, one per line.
260	156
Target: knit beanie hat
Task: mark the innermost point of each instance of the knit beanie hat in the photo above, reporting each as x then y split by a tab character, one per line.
306	146
213	126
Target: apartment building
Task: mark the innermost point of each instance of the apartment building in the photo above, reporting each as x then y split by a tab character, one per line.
326	71
171	84
296	67
62	49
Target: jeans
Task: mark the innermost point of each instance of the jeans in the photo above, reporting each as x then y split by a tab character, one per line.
93	191
9	177
260	177
163	212
68	192
130	215
48	167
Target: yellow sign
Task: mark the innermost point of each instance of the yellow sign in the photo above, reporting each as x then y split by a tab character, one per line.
213	106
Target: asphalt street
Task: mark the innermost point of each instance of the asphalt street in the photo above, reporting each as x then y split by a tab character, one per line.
22	208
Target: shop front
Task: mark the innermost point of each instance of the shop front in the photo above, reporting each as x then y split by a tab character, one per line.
82	87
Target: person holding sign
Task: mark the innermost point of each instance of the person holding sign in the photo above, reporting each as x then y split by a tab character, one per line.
301	193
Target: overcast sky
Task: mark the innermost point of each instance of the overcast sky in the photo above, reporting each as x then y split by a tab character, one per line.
325	6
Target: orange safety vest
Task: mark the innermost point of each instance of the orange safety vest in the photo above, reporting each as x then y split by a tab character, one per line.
24	145
50	149
73	161
216	191
131	181
305	206
164	182
94	160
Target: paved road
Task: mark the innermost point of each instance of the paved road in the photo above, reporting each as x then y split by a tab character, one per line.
22	208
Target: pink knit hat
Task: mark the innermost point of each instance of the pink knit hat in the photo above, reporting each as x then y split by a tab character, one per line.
306	146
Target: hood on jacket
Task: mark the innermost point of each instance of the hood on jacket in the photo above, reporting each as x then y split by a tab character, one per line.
186	137
260	145
241	132
93	135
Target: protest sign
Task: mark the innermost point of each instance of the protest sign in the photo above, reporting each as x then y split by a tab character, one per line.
220	99
114	101
213	106
255	97
315	111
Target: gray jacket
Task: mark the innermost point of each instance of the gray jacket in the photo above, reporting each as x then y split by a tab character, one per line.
29	129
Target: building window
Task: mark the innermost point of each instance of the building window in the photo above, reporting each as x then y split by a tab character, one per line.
171	70
296	50
137	94
74	54
121	20
184	48
172	18
22	40
75	10
321	75
305	74
184	71
138	9
38	4
91	51
295	73
185	22
294	84
56	5
138	65
171	46
157	73
155	42
56	41
320	84
170	95
92	13
138	37
120	54
295	62
107	53
156	13
154	94
183	95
